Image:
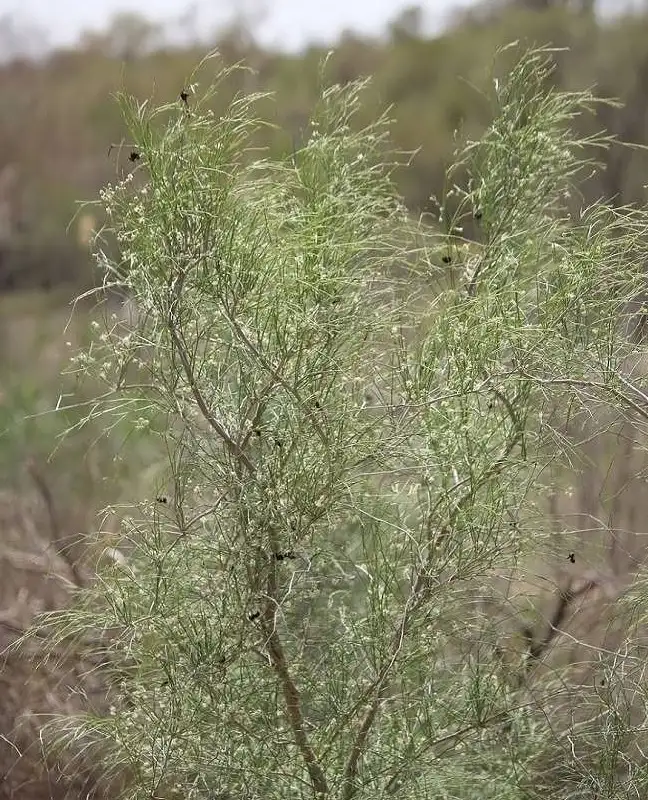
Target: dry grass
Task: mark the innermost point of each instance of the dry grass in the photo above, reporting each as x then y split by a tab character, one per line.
37	573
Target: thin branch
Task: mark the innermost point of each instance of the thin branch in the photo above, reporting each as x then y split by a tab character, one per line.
211	420
379	686
413	756
416	599
566	598
55	530
290	692
263	361
597	385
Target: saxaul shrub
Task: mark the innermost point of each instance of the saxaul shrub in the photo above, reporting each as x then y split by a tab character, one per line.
355	411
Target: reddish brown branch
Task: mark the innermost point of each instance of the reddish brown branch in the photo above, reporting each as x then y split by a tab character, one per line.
289	689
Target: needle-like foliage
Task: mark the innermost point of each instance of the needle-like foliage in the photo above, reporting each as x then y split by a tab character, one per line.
357	413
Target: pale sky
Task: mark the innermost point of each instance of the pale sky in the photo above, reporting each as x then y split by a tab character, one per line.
284	23
287	23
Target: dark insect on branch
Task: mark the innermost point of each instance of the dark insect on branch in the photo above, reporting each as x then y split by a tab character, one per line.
161	499
134	156
280	556
184	98
572	558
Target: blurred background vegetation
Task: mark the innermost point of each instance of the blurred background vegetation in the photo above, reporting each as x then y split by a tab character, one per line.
57	119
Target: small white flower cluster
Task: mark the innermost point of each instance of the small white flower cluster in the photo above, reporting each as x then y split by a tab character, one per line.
109	193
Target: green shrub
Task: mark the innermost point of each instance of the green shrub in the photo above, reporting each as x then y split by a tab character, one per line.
358	414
